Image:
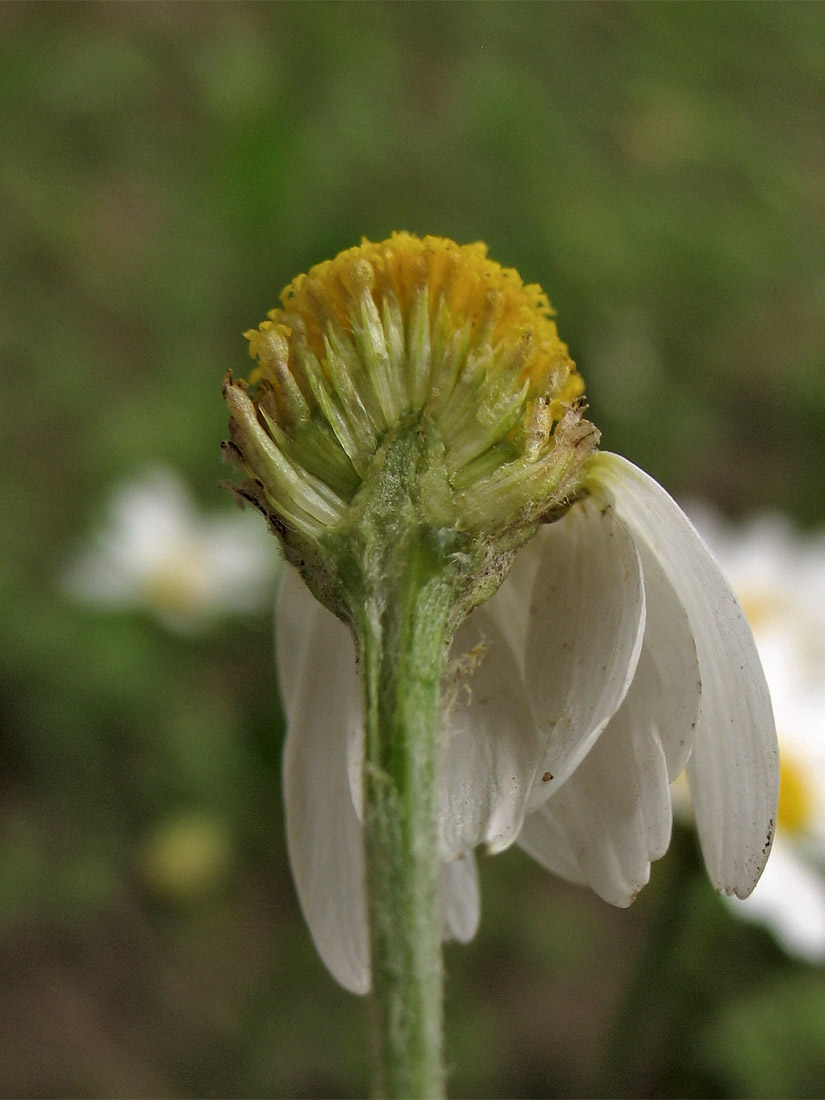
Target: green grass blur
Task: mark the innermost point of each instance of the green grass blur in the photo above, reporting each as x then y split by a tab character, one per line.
164	170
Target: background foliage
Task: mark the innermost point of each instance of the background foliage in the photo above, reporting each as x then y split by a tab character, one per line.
166	169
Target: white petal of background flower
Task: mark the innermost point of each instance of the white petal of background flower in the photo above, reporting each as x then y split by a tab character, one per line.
733	769
157	552
147	515
242	565
790	899
144	518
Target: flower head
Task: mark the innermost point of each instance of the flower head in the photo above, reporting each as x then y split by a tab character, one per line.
156	552
415	386
408	339
779	576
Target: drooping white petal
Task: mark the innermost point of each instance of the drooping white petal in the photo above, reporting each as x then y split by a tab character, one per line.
612	817
546	837
667	687
460	903
585	627
733	769
323	707
491	746
323	762
510	606
571	615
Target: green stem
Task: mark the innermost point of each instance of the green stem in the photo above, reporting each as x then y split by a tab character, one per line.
403	636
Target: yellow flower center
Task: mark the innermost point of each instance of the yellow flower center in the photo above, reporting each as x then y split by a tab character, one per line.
797	796
762	609
179	583
410	335
399	275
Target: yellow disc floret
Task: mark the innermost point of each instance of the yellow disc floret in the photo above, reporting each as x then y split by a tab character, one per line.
387	338
474	290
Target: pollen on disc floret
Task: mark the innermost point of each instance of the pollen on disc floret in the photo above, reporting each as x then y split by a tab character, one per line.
388	333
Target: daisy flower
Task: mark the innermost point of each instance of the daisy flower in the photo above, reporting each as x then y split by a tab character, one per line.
155	551
779	576
489	633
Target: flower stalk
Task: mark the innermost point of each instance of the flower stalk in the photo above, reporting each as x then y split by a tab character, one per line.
403	641
401	576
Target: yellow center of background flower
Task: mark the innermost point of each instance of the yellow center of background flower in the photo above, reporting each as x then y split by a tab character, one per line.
179	583
796	796
762	608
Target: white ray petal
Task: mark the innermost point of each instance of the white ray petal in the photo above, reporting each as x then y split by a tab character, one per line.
323	707
612	817
546	838
491	746
510	606
733	770
667	686
574	606
586	624
460	902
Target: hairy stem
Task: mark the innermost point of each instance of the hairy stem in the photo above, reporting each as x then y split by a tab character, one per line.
403	639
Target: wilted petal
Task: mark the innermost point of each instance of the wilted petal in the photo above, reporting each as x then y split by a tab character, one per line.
667	686
491	746
326	849
733	769
510	606
612	817
460	902
586	623
547	838
571	614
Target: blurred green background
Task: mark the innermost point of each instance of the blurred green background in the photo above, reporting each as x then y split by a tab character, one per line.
164	171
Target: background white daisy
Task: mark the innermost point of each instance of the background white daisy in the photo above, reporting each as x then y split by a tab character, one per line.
156	551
